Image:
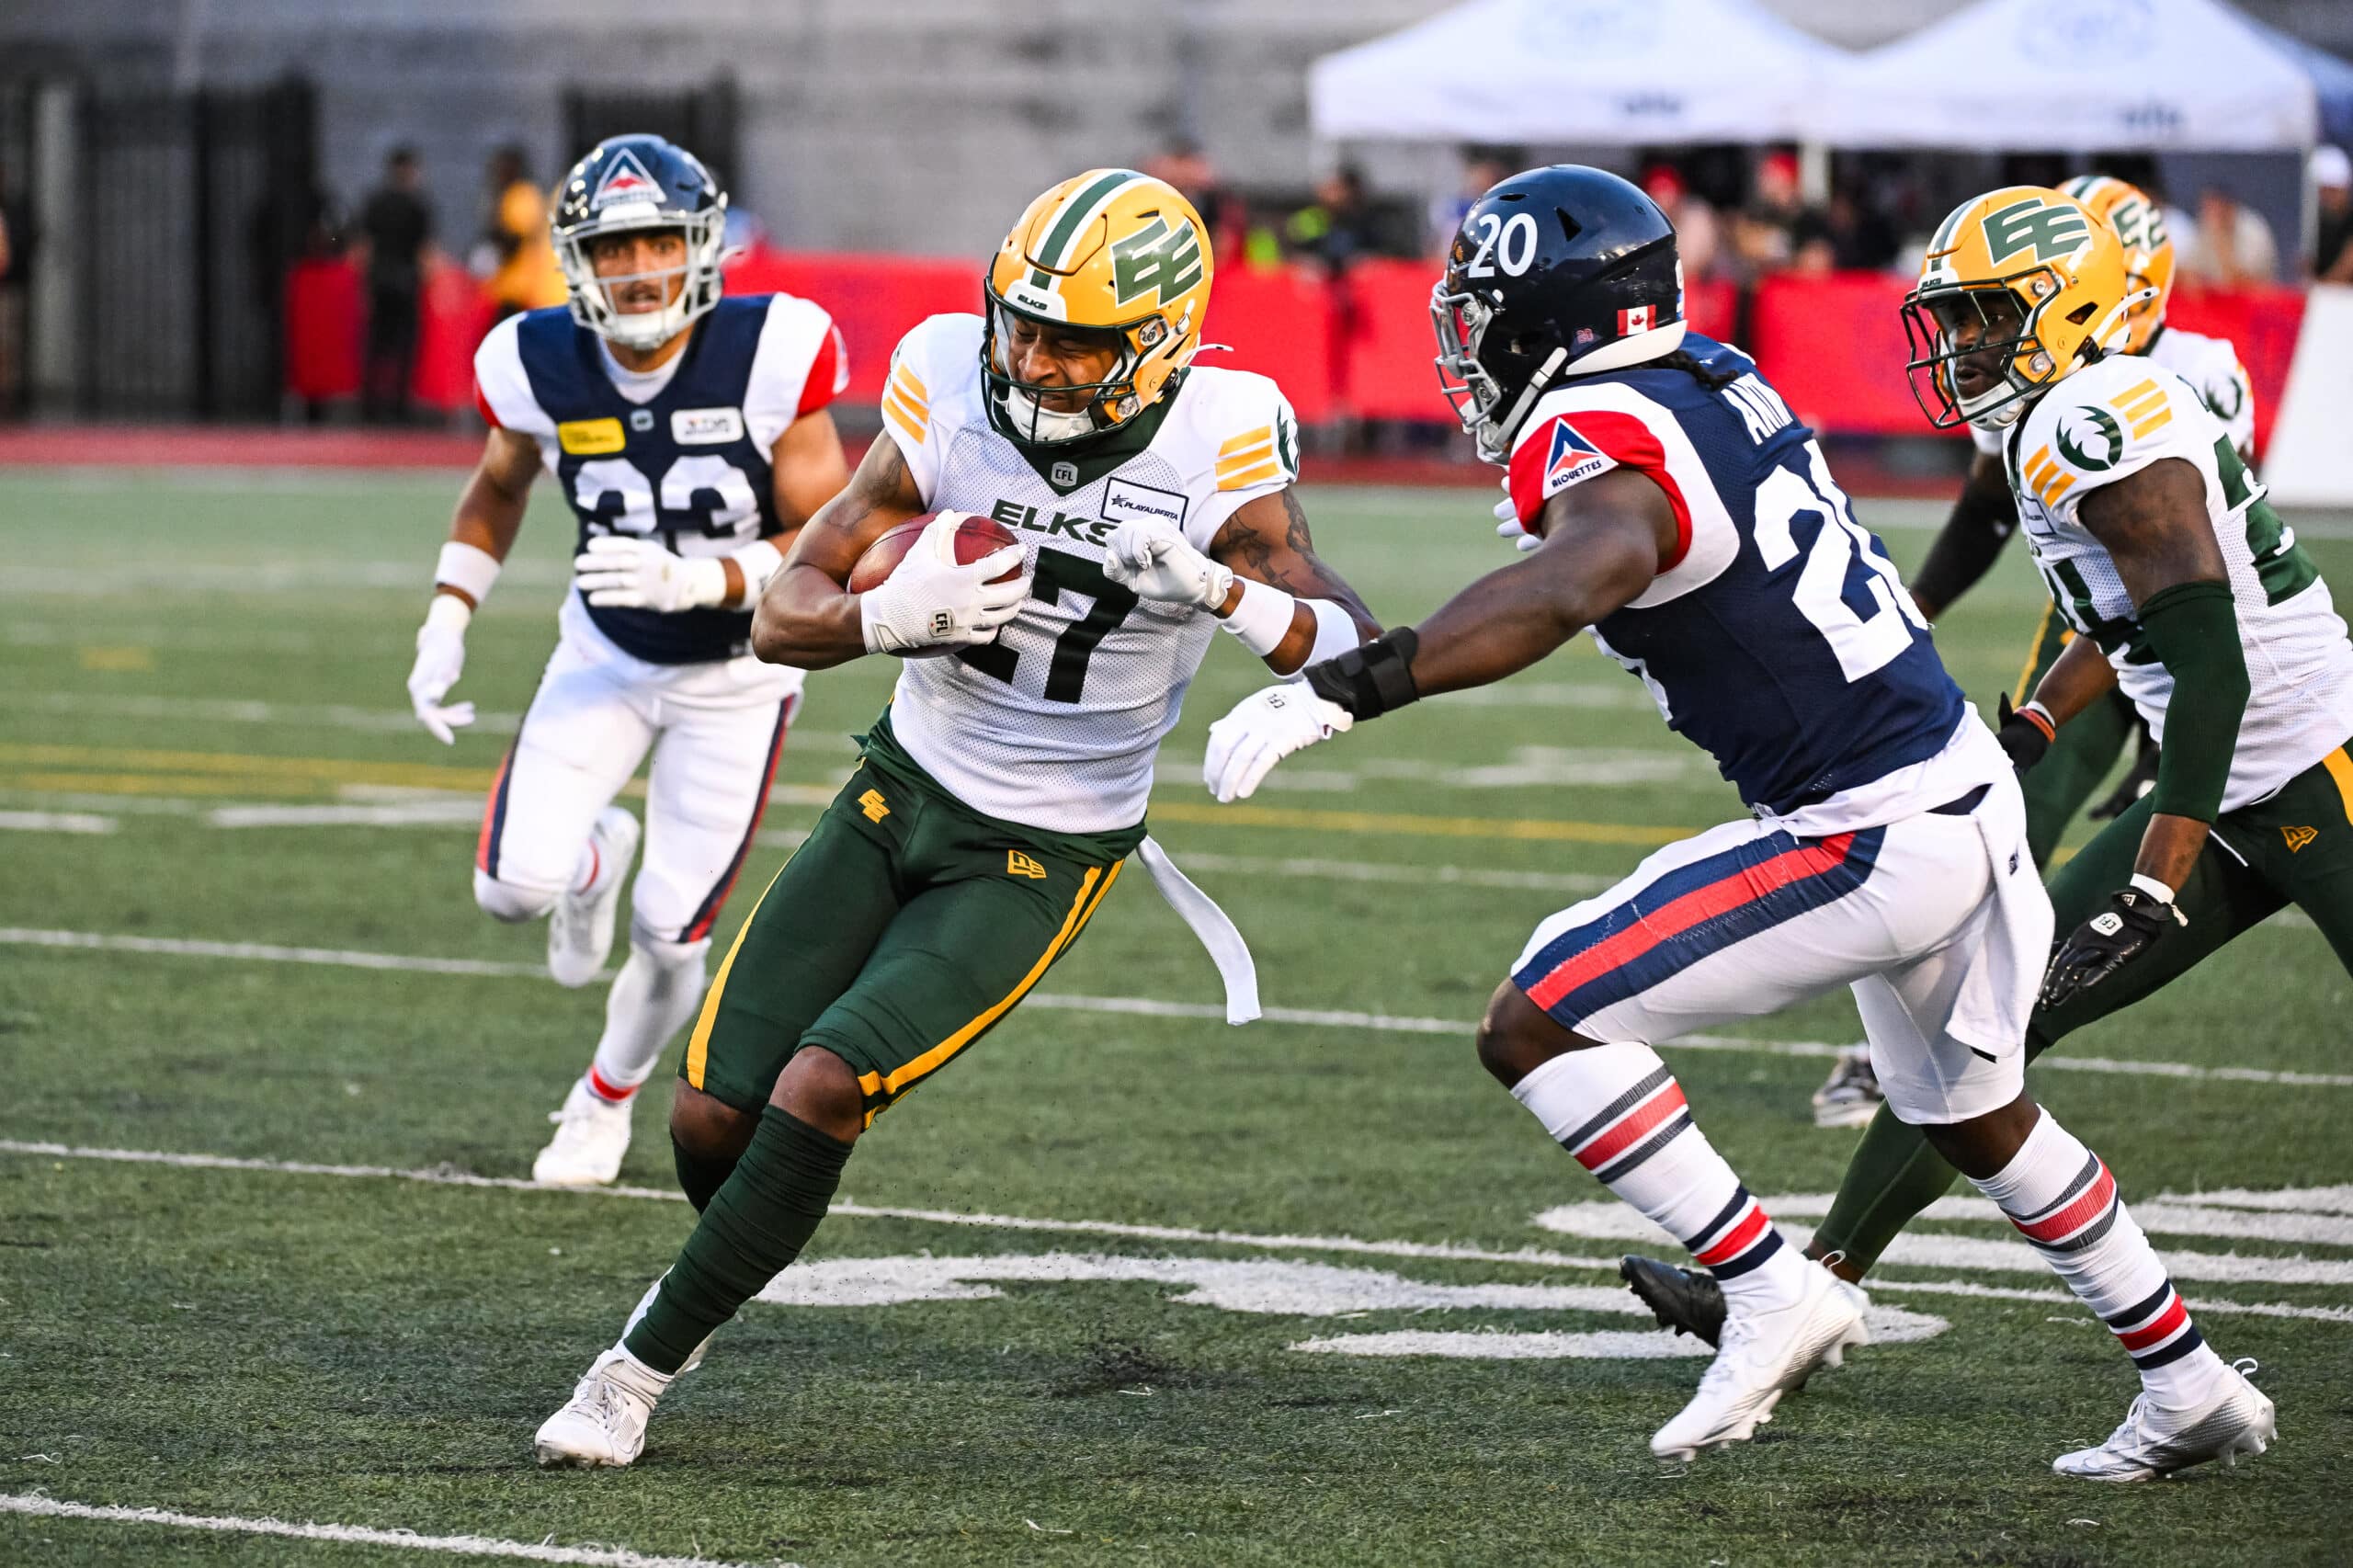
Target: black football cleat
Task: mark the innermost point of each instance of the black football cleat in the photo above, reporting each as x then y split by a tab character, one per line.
1688	1300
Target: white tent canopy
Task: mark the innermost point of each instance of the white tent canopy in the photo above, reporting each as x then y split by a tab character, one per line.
1591	71
2182	75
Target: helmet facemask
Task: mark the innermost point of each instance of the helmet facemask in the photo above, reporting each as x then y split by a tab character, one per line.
1460	318
2001	319
699	278
1021	408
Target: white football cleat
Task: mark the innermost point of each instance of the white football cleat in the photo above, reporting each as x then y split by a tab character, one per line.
580	927
602	1427
1851	1097
2153	1442
1763	1357
591	1136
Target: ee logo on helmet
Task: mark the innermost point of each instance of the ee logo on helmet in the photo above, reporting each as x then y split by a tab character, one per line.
1156	258
2050	233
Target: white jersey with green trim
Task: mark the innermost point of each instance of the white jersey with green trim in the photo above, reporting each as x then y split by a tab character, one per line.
1056	724
2212	367
2107	422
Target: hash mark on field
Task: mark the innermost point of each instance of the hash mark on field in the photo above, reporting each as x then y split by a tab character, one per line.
34	1504
1134	1007
1446	1252
55	822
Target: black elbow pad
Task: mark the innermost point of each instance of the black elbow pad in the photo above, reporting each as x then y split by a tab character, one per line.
1368	679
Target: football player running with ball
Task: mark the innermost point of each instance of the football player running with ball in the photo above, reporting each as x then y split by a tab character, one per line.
2186	592
1689	525
1007	783
689	434
1986	515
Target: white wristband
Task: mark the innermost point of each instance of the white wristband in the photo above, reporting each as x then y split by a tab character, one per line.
2152	887
448	611
758	562
470	570
1336	631
1263	618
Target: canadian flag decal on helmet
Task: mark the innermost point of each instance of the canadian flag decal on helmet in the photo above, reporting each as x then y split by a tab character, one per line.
626	180
1641	318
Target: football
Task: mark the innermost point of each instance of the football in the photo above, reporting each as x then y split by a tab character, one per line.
976	536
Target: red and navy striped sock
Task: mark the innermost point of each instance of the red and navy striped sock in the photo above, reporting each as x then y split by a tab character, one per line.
1619	1112
2062	1198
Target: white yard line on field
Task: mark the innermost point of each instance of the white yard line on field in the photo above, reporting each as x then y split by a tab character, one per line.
1443	1251
39	1506
1133	1007
55	822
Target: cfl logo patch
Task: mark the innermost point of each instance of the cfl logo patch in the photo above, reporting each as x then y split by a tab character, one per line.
942	623
2109	923
1017	864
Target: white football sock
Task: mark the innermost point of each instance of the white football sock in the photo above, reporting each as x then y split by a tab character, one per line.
654	995
2062	1200
1621	1114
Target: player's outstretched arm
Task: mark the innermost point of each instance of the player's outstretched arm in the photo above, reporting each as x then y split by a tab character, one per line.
1983	518
1604	542
2157	529
490	514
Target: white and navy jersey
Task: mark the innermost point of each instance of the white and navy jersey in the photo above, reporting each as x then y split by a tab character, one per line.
1778	636
1056	723
2212	367
689	465
2109	421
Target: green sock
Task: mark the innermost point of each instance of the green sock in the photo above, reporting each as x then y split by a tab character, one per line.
700	1178
756	1225
1893	1174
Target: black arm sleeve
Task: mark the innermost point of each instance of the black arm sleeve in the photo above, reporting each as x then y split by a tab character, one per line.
1982	522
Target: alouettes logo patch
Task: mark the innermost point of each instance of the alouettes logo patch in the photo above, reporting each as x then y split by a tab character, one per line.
625	180
1571	458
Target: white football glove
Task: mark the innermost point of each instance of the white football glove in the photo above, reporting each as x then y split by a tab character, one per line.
929	601
1153	562
440	660
1507	525
1263	729
638	573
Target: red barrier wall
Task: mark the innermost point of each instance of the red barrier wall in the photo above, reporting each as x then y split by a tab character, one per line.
325	316
1362	347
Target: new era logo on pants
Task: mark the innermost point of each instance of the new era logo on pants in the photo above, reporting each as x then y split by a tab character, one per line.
1017	864
2298	838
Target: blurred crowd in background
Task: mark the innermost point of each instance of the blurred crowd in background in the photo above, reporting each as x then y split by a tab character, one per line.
1739	211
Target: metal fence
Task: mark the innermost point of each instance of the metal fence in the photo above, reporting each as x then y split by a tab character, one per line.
151	229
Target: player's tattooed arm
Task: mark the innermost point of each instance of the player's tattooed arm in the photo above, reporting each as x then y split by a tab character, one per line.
1268	540
2157	529
808	617
490	508
1604	541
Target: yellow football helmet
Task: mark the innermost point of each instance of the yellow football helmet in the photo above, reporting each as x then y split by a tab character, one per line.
2140	222
2020	288
1113	250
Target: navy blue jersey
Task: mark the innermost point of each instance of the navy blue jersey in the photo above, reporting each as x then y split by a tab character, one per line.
1779	638
689	467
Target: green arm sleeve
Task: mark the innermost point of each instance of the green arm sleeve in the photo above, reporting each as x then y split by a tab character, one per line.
2192	630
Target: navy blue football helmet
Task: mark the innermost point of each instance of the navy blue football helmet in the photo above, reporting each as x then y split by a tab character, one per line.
1559	271
640	182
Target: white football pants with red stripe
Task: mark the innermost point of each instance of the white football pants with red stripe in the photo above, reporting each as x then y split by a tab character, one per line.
1748	918
715	729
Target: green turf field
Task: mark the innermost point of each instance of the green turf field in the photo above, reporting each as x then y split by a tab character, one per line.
182	663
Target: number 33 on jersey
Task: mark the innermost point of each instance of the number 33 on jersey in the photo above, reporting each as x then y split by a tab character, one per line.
1056	723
